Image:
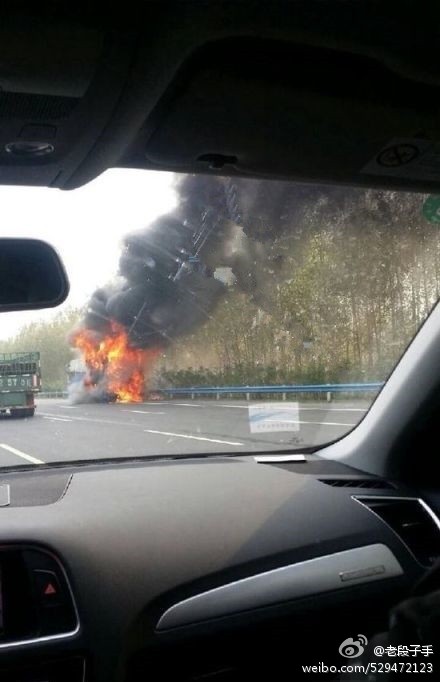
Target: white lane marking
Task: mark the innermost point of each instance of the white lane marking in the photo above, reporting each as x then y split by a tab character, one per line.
21	454
187	404
157	402
144	412
234	407
312	409
58	419
335	409
68	407
112	422
182	435
296	421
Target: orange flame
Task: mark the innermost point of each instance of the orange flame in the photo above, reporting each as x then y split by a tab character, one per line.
112	357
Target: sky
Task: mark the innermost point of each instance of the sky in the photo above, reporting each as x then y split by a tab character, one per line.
85	225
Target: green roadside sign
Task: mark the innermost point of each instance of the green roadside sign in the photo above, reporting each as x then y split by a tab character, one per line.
431	209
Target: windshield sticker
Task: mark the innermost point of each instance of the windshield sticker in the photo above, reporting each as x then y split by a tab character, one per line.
279	459
266	417
416	159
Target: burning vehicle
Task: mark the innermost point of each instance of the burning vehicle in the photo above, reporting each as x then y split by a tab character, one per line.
115	370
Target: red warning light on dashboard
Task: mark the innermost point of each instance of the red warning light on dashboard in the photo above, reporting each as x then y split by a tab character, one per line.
50	589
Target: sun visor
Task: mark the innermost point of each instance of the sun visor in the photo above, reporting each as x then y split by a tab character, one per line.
59	81
265	108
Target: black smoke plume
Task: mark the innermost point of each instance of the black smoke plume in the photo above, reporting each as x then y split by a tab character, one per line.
168	284
168	280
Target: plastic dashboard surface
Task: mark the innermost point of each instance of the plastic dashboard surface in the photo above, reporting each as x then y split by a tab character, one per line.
136	540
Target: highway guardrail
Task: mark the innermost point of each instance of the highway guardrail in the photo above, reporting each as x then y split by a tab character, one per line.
284	390
248	391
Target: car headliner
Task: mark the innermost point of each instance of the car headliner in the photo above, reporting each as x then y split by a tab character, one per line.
311	91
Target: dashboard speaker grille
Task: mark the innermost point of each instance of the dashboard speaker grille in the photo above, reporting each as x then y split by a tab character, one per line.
36	107
372	483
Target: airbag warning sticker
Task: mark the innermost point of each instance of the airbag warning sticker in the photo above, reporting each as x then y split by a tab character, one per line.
407	158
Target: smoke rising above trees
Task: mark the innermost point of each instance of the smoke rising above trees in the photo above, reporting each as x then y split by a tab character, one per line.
323	284
363	272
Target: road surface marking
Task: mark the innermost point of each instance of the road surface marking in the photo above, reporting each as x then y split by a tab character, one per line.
187	404
296	421
335	409
182	435
58	419
67	407
21	454
143	412
312	409
157	402
91	420
235	407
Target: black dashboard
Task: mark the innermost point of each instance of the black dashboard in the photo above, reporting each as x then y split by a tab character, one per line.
181	568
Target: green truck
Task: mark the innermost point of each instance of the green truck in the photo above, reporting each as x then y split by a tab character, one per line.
20	380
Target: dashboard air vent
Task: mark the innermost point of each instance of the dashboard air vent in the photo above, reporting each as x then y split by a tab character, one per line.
413	521
372	483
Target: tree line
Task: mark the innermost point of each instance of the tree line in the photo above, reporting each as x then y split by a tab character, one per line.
360	276
50	338
359	273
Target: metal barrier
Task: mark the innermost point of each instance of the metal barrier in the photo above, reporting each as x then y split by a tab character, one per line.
52	394
248	391
328	389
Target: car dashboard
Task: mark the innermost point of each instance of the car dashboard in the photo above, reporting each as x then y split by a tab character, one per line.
192	568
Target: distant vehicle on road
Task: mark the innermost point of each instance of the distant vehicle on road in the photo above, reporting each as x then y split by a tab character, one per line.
20	380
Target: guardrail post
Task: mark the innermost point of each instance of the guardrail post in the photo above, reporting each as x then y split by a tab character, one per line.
248	396
217	396
329	396
284	396
192	396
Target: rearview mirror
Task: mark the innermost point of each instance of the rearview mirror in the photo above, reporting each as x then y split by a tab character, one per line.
32	275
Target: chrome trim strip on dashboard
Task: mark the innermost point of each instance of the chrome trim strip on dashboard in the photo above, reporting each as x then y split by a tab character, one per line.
46	638
306	578
406	498
430	512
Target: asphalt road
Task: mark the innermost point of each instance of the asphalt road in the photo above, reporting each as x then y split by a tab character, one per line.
63	432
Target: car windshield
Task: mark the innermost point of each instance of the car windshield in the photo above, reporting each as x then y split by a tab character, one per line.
210	314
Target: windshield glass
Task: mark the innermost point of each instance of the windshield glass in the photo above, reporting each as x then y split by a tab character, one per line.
210	314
